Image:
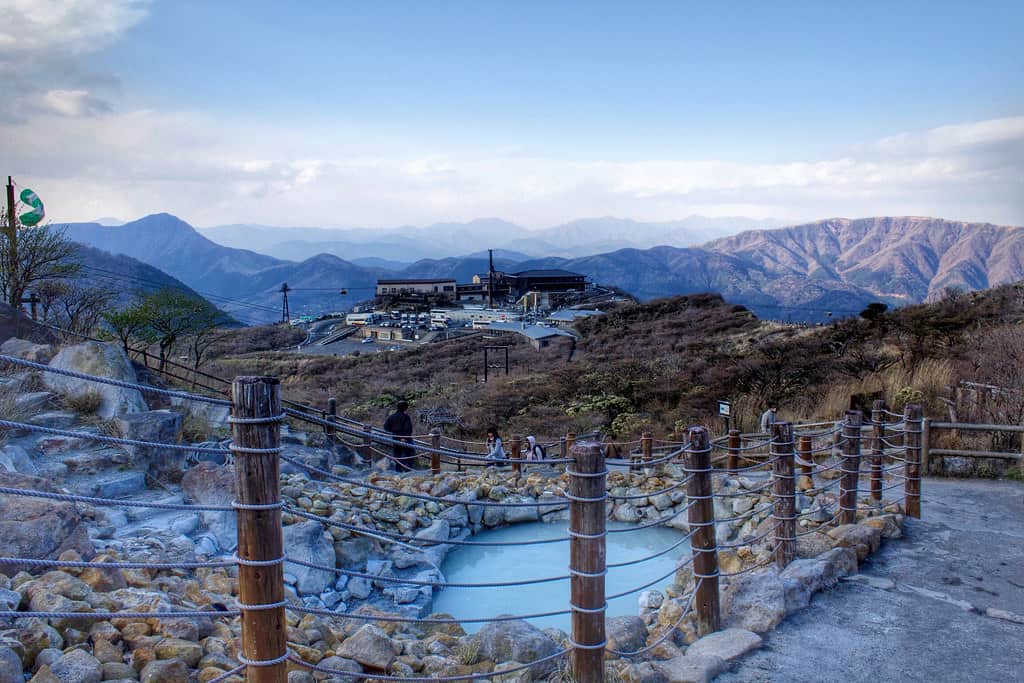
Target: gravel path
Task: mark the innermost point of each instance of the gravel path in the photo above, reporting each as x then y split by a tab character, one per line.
945	603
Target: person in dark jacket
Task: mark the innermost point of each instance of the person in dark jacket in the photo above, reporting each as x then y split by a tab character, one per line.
399	424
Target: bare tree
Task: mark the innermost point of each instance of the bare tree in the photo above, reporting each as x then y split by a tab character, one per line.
44	253
80	309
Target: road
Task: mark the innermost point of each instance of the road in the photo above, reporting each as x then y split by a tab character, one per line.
938	605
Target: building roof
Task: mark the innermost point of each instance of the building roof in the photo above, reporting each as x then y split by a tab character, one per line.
531	331
417	281
570	315
553	272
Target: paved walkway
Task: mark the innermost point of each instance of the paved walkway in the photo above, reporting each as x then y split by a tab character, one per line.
945	603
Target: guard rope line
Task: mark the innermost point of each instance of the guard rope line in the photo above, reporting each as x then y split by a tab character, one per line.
668	632
417	582
426	679
92	500
76	564
415	620
9	614
113	440
638	496
113	382
684	539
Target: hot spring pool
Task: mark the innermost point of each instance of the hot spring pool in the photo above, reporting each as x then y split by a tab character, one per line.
474	564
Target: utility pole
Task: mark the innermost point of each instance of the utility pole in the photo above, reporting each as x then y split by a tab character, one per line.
490	268
285	314
12	245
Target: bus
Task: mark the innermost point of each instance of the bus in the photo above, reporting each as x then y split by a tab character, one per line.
360	318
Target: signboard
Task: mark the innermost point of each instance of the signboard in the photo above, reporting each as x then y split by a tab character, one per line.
725	408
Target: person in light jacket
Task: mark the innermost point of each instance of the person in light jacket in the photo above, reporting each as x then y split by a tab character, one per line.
769	417
495	451
535	451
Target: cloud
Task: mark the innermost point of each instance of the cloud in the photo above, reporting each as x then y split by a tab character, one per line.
42	43
211	171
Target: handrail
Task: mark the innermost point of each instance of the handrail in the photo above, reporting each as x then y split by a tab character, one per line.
976	426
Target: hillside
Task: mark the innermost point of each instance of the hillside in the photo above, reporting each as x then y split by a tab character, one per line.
124	275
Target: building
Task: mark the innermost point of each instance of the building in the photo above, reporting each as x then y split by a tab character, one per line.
516	285
540	337
440	288
570	316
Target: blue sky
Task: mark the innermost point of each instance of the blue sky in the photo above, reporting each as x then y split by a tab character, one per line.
332	113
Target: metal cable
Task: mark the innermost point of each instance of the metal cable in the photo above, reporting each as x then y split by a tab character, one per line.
415	620
67	497
113	382
684	539
115	565
426	679
9	614
432	584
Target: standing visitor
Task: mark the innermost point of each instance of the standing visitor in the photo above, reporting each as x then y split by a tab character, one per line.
495	451
399	425
769	417
535	450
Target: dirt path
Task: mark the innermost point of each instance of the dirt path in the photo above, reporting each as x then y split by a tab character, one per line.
945	603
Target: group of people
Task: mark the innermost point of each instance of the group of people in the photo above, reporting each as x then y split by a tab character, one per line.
399	425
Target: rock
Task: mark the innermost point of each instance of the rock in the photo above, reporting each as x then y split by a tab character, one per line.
626	513
210	484
370	646
103	360
26	350
802	578
10	665
642	672
755	601
518	641
158	426
37	528
176	648
14	459
165	671
359	588
650	599
353	552
861	537
626	634
340	664
686	669
729	644
77	666
305	541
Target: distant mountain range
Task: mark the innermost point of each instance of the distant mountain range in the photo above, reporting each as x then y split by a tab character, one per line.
807	272
440	240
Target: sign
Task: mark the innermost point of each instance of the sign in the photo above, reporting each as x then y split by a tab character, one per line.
725	408
36	213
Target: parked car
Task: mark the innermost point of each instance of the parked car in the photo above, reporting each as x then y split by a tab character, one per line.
367	340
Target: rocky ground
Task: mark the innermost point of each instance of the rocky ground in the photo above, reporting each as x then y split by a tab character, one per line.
199	649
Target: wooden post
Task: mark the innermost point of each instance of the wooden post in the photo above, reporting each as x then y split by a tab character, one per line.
646	448
804	450
733	460
783	493
587	559
256	405
12	247
702	520
850	468
563	451
877	433
926	440
332	412
570	441
912	462
367	447
435	455
515	445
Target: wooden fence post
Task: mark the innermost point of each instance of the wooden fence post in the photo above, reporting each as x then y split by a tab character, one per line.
850	468
255	416
367	447
332	412
570	441
877	434
912	460
646	448
702	518
515	445
587	561
783	493
435	455
805	452
563	450
733	460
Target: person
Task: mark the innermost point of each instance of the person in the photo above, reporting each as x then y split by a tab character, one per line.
399	425
495	451
534	451
768	418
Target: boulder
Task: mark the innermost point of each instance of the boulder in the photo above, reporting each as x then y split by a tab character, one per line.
23	348
10	666
77	666
305	541
103	360
370	646
37	528
165	671
686	669
729	644
158	426
626	633
755	601
803	578
863	538
14	459
517	641
210	484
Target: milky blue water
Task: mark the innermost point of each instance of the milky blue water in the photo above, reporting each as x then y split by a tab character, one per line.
473	564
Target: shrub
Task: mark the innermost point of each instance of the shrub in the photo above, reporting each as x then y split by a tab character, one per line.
86	403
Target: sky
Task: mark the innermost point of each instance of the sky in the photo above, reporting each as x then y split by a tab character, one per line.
352	114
